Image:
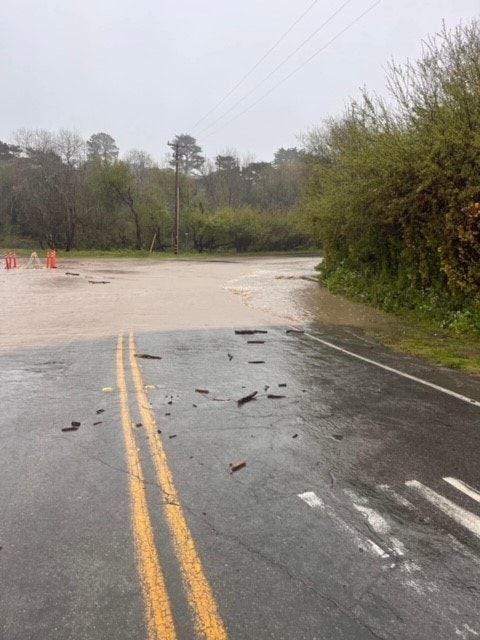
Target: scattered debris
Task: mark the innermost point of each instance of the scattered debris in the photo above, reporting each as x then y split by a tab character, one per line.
99	281
170	402
159	431
74	423
237	466
230	357
70	429
168	414
248	332
107	389
295	435
150	386
174	435
337	436
147	356
282	384
69	273
99	411
139	424
267	387
98	422
294	331
245	399
256	362
201	391
332	478
274	396
194	405
255	341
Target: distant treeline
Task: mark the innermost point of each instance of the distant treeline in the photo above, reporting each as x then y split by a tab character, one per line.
394	185
390	190
57	190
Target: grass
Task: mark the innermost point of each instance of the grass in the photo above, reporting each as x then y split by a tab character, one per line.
120	254
441	347
438	328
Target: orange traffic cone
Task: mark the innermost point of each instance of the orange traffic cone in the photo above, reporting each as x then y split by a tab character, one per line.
14	260
53	259
48	259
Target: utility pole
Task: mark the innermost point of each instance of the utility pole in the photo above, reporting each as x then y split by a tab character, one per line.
176	147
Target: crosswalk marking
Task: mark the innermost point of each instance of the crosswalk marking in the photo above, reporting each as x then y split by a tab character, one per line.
463	517
311	498
403	502
464	487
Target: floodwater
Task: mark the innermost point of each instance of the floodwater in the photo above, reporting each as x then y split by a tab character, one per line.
85	299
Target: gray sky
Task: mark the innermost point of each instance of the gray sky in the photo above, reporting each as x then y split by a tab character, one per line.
146	70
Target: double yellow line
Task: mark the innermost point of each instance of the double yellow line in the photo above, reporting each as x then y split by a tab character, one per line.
158	608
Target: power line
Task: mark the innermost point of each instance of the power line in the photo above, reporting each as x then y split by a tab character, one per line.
325	46
284	61
257	64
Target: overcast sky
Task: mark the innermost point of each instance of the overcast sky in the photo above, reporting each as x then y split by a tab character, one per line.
145	70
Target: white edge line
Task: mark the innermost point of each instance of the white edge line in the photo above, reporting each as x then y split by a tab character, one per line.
464	487
470	401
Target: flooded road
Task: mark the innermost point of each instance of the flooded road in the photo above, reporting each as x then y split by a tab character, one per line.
127	408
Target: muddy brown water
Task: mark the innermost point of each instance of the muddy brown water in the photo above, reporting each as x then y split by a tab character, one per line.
40	307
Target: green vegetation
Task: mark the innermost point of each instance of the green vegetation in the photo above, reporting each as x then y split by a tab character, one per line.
58	191
393	191
390	191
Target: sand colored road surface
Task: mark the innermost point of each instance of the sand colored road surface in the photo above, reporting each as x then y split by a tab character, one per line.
43	307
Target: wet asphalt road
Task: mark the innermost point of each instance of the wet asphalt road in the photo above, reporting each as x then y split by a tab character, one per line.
318	537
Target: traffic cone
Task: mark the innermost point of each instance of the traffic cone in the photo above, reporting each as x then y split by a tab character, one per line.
48	259
53	259
14	260
7	261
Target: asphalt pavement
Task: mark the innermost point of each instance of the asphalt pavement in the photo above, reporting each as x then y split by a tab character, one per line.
340	501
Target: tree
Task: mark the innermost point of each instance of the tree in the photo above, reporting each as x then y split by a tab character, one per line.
191	162
119	184
70	146
102	146
8	151
286	156
393	186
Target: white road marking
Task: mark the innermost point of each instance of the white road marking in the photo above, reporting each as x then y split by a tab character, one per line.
374	519
470	630
464	487
463	517
398	547
395	371
365	544
461	548
311	498
354	497
467	633
403	502
376	522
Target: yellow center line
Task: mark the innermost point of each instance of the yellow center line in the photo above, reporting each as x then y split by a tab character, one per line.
199	593
158	611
